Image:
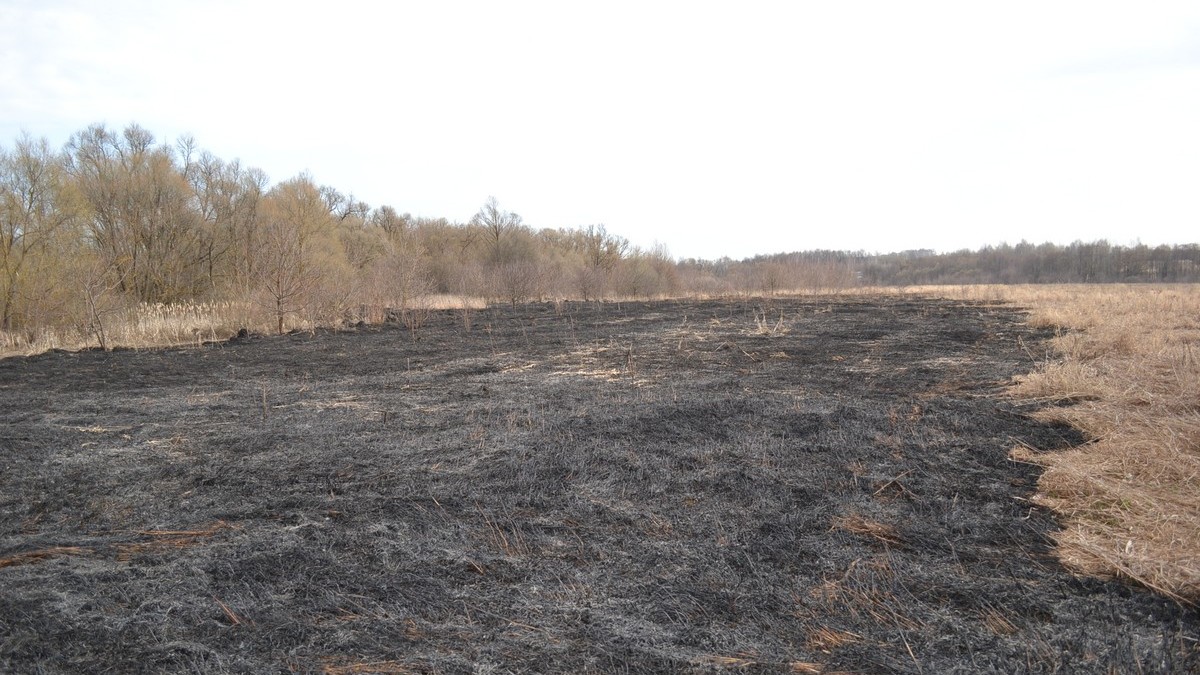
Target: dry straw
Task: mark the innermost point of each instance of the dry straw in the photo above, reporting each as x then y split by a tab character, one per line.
1124	372
147	326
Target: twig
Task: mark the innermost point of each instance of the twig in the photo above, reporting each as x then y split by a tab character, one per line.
726	345
910	652
229	613
896	482
41	554
1027	351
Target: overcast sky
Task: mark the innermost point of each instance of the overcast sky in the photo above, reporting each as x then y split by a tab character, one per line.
714	128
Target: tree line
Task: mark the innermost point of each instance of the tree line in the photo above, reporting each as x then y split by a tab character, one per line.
1022	263
115	219
1026	263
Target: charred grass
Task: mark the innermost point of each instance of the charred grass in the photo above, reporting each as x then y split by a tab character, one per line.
809	485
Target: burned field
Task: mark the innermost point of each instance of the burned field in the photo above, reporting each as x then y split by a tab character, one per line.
806	486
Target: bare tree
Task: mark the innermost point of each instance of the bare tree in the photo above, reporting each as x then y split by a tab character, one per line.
141	216
496	222
227	198
393	225
399	279
288	268
602	254
342	206
97	285
34	212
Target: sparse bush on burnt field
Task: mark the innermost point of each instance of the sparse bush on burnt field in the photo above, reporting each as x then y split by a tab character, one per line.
814	486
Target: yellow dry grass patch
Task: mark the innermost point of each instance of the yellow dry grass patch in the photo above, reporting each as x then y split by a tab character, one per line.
450	301
1127	361
29	557
145	541
825	639
149	326
997	622
858	524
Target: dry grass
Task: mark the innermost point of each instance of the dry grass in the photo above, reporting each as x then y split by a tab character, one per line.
866	591
864	527
997	622
825	639
449	301
146	541
1124	372
29	557
177	324
188	323
142	326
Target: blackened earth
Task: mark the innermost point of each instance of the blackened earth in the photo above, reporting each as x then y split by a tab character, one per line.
795	486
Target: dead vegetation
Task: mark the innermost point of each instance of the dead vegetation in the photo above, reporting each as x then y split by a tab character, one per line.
1127	361
583	487
158	325
1124	370
121	546
863	526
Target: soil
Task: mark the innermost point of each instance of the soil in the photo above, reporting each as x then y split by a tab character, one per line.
810	485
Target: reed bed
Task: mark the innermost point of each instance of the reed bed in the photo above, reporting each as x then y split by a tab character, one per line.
147	326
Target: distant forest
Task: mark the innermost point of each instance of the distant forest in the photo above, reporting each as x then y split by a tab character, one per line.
114	220
1024	263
